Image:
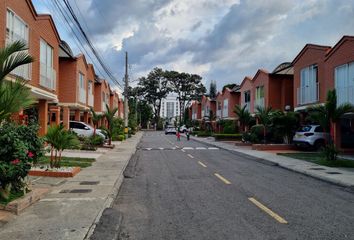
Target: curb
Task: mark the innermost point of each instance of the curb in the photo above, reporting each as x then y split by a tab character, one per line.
111	197
271	163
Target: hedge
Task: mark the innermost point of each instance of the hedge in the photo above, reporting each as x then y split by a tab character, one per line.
201	134
223	136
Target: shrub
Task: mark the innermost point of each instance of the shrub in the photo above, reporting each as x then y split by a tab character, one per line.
20	147
96	140
202	134
223	136
119	138
330	152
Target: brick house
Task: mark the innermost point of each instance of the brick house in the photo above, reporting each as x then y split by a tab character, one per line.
196	107
114	101
246	94
226	100
101	98
20	21
339	74
309	76
75	86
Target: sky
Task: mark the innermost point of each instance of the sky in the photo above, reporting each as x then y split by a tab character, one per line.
221	40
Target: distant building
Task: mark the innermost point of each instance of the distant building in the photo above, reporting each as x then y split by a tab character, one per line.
170	108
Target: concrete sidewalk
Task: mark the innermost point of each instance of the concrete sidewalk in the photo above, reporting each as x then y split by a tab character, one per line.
72	209
338	176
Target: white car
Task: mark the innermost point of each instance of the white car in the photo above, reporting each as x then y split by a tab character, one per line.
85	130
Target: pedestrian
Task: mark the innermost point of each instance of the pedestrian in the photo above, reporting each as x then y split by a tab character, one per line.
178	134
187	134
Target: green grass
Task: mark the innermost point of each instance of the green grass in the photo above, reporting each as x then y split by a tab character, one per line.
69	161
318	159
13	196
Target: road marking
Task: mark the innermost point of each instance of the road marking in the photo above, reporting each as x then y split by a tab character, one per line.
190	156
200	148
177	146
188	148
268	211
202	164
213	148
161	148
183	150
222	178
173	148
148	149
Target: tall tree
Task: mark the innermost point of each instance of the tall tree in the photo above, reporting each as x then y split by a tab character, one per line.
264	116
109	114
95	119
187	87
153	89
212	90
244	117
14	96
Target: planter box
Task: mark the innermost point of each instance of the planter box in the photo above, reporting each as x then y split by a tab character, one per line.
20	204
243	144
43	173
265	147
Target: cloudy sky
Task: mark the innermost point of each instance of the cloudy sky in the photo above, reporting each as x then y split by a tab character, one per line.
222	40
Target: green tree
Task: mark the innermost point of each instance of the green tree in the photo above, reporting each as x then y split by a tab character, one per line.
244	117
328	115
264	116
59	139
212	90
14	96
145	113
109	114
95	120
153	89
187	86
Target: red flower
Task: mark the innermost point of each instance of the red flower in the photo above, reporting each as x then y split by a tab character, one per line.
30	155
15	162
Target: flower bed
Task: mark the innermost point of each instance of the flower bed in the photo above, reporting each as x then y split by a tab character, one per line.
54	172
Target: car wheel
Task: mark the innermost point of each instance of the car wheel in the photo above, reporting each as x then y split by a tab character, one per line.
319	145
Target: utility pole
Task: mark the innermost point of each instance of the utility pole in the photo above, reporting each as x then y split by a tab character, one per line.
126	96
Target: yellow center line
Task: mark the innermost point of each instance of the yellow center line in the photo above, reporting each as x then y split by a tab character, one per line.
190	156
268	211
202	164
222	178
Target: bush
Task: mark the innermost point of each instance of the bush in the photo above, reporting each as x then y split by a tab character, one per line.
20	147
223	136
202	134
96	140
330	152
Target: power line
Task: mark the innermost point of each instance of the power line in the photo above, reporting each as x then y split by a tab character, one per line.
57	9
88	41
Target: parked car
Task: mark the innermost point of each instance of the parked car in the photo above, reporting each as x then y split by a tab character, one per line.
311	136
170	130
85	130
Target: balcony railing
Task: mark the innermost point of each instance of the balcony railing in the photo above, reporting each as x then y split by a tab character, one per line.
82	95
308	94
259	102
90	100
218	113
48	77
345	95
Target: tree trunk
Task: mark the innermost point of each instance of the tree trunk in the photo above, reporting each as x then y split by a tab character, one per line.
94	129
51	157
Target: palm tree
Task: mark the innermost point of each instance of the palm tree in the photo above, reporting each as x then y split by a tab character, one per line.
59	139
286	124
14	96
110	113
95	120
264	116
244	116
327	115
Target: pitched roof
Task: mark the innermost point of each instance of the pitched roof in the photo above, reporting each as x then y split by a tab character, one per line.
338	44
310	46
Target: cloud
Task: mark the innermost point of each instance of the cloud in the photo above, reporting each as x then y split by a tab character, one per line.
222	40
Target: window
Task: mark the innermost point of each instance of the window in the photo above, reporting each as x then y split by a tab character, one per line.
259	92
319	129
17	30
225	112
81	81
103	97
89	87
247	96
344	83
48	75
308	92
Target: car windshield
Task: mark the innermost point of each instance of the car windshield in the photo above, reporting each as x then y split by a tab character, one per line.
304	129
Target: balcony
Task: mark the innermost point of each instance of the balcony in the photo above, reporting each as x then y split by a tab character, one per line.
82	96
48	77
90	100
308	94
345	95
259	102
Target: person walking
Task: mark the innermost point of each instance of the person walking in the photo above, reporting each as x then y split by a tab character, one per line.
178	134
187	134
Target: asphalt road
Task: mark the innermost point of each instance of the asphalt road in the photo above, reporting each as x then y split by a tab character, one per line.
187	190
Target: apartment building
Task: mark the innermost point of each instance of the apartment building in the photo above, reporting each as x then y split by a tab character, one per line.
170	109
20	21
